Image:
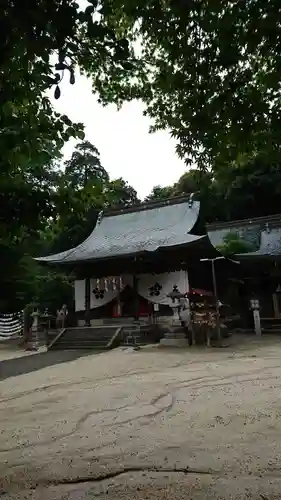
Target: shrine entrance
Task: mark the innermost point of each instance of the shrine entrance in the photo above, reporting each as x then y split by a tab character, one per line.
128	299
132	304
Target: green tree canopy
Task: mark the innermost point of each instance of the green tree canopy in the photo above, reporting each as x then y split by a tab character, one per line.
249	187
118	193
233	244
34	36
159	193
207	70
74	196
84	166
83	190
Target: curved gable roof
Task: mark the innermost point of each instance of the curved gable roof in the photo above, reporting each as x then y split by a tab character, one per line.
133	231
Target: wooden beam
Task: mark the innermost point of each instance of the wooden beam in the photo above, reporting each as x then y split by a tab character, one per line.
87	301
136	305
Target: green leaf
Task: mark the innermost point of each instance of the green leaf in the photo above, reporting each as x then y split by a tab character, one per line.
60	66
57	93
89	10
72	77
80	134
66	120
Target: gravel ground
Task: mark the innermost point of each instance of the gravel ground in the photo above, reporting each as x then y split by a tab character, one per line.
155	424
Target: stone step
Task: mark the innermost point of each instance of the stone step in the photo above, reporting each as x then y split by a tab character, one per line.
98	337
78	347
85	338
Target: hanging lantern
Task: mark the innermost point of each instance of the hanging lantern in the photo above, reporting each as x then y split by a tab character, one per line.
106	284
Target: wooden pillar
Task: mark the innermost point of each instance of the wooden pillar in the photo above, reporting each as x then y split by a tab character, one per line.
275	306
136	305
87	301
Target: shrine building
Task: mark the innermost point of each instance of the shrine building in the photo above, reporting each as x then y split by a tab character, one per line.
135	257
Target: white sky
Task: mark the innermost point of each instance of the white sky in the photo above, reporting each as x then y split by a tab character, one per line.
122	138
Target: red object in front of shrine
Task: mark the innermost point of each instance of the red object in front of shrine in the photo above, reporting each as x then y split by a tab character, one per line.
198	291
144	309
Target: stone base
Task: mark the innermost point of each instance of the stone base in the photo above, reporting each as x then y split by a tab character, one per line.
31	347
172	342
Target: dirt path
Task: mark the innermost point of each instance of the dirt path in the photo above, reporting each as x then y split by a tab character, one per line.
151	424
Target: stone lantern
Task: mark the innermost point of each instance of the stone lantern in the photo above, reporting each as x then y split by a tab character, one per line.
175	334
176	298
255	307
32	344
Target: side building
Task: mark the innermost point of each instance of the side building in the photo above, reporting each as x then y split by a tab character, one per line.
260	274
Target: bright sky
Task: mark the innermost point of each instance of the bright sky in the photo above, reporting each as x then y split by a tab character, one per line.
122	138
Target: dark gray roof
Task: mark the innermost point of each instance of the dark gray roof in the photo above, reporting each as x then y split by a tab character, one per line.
248	230
270	244
250	235
136	231
272	220
216	235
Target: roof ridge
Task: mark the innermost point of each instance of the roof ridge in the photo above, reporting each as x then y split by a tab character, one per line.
251	220
176	200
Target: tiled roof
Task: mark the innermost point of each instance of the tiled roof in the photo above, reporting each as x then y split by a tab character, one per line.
250	235
272	220
270	245
248	230
145	229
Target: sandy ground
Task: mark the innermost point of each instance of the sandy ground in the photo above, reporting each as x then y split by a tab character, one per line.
154	424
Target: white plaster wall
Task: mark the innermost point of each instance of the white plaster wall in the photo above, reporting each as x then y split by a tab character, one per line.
79	295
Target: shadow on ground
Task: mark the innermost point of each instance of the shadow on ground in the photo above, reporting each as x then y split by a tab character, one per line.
27	364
